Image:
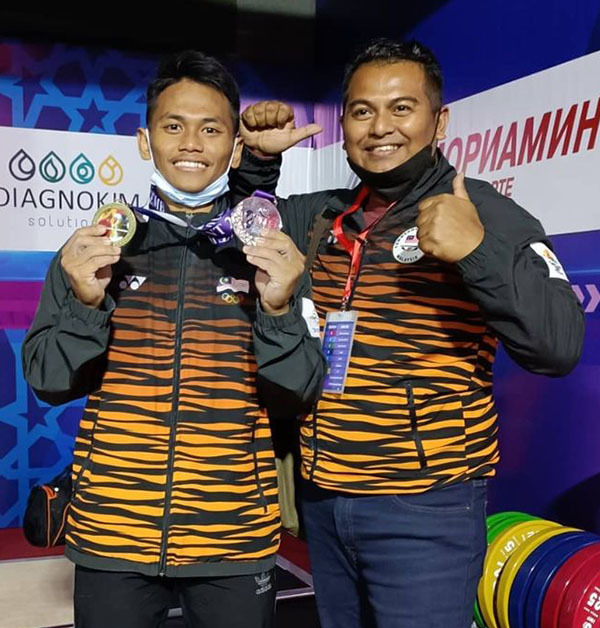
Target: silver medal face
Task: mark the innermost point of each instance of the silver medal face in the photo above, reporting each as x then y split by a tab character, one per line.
251	216
406	247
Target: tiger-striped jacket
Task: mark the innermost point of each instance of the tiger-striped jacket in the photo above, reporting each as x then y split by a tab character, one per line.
418	410
174	470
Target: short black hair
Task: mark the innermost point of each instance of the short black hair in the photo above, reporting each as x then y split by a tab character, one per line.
199	67
384	50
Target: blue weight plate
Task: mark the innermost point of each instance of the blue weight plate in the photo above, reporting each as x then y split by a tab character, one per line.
520	586
558	550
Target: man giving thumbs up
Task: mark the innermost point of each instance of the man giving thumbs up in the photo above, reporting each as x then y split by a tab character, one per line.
430	271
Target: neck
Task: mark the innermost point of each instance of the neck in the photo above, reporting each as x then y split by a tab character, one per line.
178	208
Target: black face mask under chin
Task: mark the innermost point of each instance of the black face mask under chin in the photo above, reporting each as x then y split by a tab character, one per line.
394	184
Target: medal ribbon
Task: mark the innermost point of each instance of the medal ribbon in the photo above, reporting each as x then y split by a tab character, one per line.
218	230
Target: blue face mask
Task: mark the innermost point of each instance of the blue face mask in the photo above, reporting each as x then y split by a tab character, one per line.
190	199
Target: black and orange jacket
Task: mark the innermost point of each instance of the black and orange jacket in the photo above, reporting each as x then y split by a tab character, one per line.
173	469
418	409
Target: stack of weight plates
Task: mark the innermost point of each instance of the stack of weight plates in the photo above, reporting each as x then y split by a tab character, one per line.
538	574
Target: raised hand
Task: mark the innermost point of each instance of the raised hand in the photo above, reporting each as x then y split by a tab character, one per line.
268	128
448	224
86	258
279	267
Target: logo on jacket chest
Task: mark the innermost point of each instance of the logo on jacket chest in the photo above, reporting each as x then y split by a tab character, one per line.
131	282
231	289
406	247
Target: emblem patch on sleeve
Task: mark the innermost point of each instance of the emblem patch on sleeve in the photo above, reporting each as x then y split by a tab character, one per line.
554	266
310	316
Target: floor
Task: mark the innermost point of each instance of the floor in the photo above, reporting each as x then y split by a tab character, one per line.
37	585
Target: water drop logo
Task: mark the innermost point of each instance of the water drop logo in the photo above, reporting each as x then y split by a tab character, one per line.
110	171
52	168
21	166
81	169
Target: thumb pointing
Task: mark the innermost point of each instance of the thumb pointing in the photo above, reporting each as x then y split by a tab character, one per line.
297	135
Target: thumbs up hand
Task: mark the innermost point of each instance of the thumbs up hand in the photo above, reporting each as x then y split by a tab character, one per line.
448	224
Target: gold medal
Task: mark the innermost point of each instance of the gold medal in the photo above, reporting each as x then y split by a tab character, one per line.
119	221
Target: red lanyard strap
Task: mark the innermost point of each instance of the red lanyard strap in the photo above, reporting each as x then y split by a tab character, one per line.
354	249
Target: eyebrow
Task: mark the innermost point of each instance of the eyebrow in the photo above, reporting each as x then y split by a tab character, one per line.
364	101
180	118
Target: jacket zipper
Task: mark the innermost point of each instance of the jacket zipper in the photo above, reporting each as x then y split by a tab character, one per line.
261	493
175	411
314	447
413	426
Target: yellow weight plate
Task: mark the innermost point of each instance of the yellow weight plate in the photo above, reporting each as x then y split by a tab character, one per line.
511	568
497	554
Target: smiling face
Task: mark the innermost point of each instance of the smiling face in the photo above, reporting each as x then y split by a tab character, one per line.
191	135
388	116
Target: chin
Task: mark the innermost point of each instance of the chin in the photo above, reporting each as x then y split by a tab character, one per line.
192	187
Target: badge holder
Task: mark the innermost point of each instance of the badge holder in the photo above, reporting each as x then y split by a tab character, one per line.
338	337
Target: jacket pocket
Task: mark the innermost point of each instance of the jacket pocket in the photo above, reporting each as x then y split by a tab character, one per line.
437	424
414	428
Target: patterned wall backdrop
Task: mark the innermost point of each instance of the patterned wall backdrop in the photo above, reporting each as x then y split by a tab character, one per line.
67	88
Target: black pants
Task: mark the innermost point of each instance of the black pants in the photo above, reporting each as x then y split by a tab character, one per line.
113	599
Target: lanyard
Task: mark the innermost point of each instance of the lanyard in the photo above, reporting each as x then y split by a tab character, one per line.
354	249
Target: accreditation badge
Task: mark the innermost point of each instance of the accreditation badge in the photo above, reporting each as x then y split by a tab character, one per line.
119	221
338	338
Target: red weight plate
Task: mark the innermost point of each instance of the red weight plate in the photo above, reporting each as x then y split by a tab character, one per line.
581	604
556	590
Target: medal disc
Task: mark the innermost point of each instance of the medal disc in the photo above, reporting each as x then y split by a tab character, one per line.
119	221
251	216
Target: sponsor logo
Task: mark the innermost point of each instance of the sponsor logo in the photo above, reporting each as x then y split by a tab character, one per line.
52	168
21	166
406	247
82	169
263	582
133	282
110	171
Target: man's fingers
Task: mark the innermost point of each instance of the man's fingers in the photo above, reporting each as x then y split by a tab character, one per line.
82	242
260	114
74	262
91	268
297	135
458	186
269	266
272	114
249	118
285	115
93	232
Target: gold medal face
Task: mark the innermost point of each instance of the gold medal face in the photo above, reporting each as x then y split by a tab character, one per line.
119	221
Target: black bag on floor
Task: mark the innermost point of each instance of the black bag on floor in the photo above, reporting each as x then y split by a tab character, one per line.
47	509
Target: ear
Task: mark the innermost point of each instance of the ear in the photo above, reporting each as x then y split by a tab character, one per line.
237	152
142	142
442	125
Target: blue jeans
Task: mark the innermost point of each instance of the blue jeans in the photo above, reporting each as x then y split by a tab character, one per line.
396	561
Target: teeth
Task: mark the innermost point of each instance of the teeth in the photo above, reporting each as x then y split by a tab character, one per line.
190	164
388	148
